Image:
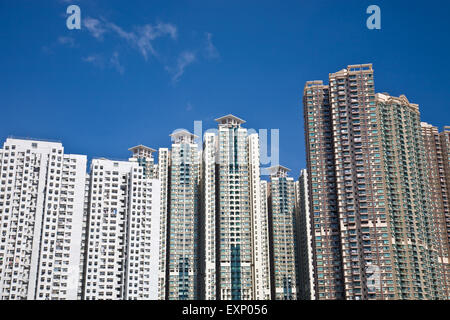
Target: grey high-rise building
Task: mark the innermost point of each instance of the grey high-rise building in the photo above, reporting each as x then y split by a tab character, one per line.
183	220
283	235
234	223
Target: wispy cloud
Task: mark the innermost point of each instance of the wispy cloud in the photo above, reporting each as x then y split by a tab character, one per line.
141	38
185	59
116	63
60	41
95	59
189	107
68	41
102	62
146	34
95	27
210	50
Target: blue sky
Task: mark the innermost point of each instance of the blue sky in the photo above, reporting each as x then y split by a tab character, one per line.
137	70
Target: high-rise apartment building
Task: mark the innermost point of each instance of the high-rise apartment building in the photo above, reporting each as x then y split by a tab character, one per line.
163	168
371	227
144	156
234	267
193	226
445	141
161	171
322	191
122	245
260	224
183	244
83	239
41	217
235	257
408	213
233	219
438	159
264	285
283	235
208	220
304	233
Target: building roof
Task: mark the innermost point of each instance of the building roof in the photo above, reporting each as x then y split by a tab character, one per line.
402	99
278	169
181	133
230	117
142	147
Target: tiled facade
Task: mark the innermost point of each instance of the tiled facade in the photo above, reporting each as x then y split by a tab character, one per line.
209	216
163	168
368	196
368	219
304	234
234	212
122	232
438	159
283	239
41	217
412	251
183	245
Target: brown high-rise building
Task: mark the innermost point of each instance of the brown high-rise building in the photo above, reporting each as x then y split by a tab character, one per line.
437	150
369	198
445	141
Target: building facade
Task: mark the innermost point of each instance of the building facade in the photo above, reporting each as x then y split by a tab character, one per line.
163	168
445	141
209	219
323	192
183	245
41	217
283	235
260	224
409	215
437	157
363	203
264	285
122	245
235	274
304	232
241	269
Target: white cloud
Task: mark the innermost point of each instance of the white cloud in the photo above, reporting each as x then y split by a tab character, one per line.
69	41
144	35
102	62
210	49
116	63
166	28
121	33
142	39
185	59
95	59
95	27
